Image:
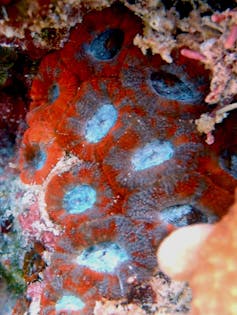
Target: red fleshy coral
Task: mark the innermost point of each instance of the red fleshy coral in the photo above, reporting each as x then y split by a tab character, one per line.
138	166
53	83
52	91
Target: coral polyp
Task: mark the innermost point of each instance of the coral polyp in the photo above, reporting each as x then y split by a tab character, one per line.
78	195
100	123
99	46
106	257
39	153
70	303
114	151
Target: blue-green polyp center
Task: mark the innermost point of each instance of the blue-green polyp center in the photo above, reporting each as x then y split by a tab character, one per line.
69	303
152	154
101	122
107	45
228	160
53	93
79	199
183	215
171	87
104	257
35	157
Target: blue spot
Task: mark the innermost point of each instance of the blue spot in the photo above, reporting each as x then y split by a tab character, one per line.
183	215
53	93
37	159
69	303
107	44
104	257
79	199
172	87
152	154
6	149
99	125
228	160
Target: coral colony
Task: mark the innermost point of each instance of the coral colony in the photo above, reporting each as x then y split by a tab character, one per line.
115	160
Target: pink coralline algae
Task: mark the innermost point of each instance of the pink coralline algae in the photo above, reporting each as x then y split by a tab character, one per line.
112	147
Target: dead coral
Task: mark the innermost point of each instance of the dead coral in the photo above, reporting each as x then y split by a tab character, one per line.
47	25
206	123
171	297
159	29
209	36
112	308
218	52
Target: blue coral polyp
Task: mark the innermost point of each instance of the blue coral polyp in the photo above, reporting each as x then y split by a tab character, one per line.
103	257
39	159
82	194
39	153
152	154
54	92
228	161
35	157
100	123
171	87
98	46
79	199
69	303
183	215
106	45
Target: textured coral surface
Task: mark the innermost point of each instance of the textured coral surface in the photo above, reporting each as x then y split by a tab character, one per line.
115	162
